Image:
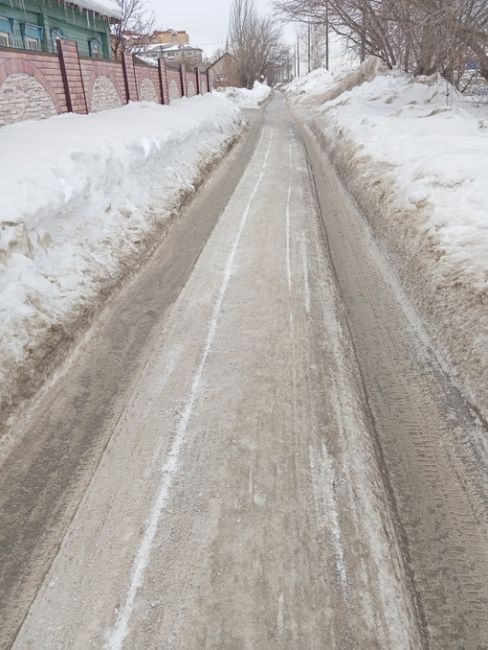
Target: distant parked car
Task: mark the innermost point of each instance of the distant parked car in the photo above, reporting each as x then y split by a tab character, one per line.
482	91
472	64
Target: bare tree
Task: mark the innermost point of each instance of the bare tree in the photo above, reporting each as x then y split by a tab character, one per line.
253	40
421	36
135	29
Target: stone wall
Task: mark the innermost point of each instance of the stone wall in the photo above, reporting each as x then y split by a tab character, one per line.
35	85
104	95
174	91
23	98
147	91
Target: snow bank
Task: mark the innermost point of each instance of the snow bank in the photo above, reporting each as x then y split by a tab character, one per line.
312	84
415	157
80	198
320	85
245	98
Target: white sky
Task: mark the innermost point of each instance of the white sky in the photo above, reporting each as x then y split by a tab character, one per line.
205	20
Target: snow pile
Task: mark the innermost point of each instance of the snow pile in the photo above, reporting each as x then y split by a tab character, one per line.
245	98
320	85
311	84
109	8
415	157
82	198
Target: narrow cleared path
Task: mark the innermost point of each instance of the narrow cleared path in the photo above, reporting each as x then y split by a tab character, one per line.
255	447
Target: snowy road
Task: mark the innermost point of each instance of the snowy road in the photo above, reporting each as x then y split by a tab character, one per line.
254	448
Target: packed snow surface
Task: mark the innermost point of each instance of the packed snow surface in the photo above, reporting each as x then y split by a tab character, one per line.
78	196
245	98
415	155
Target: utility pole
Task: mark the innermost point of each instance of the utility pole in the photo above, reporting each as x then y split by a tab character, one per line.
298	54
327	34
363	34
309	46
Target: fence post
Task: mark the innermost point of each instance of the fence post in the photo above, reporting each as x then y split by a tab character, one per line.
209	88
74	89
129	77
199	81
183	79
163	81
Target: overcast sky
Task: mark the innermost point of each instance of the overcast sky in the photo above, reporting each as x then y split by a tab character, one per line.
205	20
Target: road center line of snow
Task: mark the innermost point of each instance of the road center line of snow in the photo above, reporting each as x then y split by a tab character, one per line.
288	202
141	561
306	286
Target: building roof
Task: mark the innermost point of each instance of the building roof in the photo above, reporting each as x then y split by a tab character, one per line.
148	60
170	47
109	8
220	59
170	31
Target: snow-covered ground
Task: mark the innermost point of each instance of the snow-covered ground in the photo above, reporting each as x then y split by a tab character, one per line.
82	197
414	153
245	98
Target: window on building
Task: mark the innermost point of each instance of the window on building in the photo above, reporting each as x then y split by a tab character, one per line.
32	35
95	48
5	32
32	44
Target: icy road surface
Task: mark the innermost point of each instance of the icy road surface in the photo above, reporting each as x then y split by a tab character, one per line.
255	447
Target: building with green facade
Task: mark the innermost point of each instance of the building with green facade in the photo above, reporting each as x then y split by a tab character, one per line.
38	24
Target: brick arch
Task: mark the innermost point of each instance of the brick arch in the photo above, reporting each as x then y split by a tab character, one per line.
21	66
144	74
104	95
147	90
192	91
174	90
22	97
101	70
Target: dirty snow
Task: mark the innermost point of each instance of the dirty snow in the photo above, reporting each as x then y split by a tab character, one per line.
79	199
438	155
245	98
415	155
